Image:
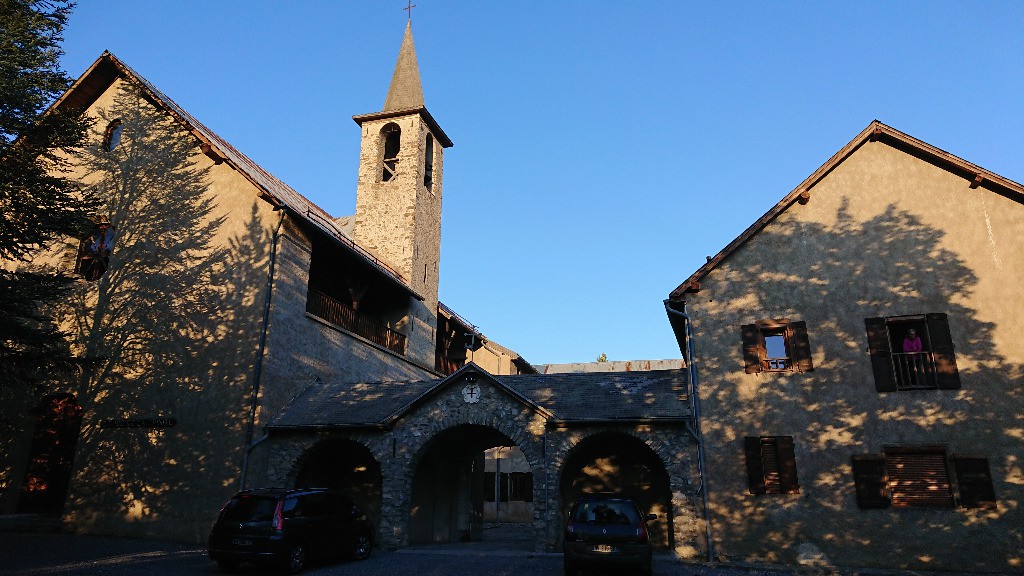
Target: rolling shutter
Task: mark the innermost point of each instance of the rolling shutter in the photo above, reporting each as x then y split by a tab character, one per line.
947	375
801	347
881	354
870	481
919	479
751	348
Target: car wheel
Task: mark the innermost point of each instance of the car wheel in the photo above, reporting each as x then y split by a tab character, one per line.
227	566
295	561
363	547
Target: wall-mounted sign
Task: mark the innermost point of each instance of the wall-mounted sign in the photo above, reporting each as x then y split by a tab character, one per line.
138	423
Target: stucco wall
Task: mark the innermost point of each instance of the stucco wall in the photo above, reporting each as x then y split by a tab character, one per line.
884	234
180	352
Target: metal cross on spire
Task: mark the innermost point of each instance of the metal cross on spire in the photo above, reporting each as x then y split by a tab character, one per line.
409	9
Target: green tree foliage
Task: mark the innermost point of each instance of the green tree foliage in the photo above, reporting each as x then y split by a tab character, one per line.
39	205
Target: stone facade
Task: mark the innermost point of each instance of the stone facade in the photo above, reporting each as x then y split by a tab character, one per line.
446	420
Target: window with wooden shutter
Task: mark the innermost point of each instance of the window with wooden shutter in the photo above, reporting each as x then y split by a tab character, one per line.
975	482
771	465
947	375
919	478
881	354
776	346
912	353
870	481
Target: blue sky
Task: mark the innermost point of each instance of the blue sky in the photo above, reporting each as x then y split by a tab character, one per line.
602	149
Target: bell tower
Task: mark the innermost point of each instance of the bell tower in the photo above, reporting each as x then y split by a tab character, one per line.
398	196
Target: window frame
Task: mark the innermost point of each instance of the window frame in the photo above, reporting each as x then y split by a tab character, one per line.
755	351
938	367
771	465
112	135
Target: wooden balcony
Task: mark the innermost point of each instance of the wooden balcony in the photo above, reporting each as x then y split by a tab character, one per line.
323	306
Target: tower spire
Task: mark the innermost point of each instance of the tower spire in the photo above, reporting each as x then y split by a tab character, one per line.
406	91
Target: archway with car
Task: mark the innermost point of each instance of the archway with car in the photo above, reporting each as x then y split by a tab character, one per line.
612	462
347	467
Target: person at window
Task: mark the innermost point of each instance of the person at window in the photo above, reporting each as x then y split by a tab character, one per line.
913	347
912	343
97	251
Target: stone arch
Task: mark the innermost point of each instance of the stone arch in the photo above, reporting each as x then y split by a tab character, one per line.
345	465
447	471
620	462
390	147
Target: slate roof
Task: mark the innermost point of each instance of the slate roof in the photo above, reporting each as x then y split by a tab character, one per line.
565	398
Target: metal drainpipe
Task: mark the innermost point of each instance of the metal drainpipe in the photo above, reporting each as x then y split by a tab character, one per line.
258	370
695	407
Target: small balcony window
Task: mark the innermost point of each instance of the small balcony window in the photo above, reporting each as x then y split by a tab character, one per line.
776	346
912	353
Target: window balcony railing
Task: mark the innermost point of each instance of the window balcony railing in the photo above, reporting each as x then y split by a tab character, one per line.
914	370
323	306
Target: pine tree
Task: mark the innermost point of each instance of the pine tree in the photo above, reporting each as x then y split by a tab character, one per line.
40	207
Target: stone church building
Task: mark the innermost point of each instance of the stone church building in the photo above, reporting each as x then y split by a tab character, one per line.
243	337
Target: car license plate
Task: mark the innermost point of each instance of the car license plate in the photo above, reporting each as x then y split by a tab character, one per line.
603	548
242	542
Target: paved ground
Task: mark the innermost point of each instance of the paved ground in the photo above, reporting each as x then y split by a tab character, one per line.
50	554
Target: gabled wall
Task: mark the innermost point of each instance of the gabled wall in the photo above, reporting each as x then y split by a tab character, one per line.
884	234
185	347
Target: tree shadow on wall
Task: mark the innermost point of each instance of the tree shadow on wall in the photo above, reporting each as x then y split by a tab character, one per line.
889	265
170	329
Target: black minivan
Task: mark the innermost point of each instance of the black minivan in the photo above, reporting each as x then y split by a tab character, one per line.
607	531
289	528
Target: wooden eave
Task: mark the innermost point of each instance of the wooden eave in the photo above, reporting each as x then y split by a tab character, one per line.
435	128
876	131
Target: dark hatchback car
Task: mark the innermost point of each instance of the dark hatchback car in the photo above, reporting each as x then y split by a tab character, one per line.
289	528
607	531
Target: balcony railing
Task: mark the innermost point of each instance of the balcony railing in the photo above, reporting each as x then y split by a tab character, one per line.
914	370
323	306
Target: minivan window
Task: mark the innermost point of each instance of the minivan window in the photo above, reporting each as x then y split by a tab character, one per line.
250	509
606	512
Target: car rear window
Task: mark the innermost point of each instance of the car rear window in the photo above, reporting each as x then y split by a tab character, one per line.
250	509
606	512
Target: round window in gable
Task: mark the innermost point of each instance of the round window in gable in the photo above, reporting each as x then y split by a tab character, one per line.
113	135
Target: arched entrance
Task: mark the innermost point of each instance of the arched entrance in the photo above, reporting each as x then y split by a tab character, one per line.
620	463
348	467
450	485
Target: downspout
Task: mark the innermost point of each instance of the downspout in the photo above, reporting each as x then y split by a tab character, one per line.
695	411
258	370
